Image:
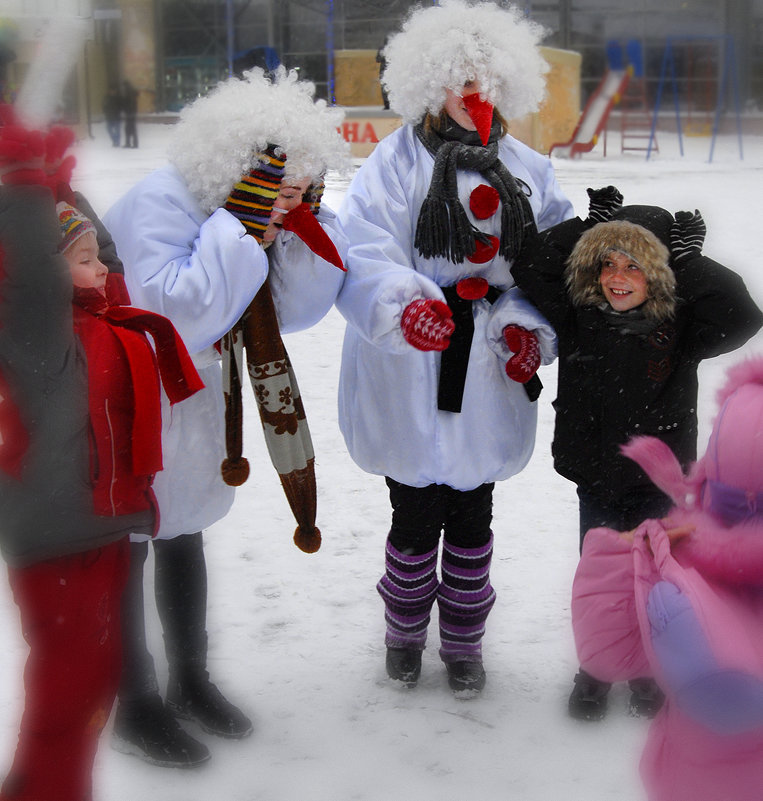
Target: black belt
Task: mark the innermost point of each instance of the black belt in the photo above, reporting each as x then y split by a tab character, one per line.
455	358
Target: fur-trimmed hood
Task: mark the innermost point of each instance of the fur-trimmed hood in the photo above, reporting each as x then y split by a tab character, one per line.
641	245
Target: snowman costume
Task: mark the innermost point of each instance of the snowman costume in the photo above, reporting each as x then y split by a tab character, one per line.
434	217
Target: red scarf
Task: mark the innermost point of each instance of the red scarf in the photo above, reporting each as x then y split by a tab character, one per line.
176	370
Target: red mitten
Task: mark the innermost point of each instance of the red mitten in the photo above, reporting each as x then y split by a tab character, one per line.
305	225
427	324
57	141
21	155
523	365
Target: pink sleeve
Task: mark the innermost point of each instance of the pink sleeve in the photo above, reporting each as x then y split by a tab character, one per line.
731	555
604	620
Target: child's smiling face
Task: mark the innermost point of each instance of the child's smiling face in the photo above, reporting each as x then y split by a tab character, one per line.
622	281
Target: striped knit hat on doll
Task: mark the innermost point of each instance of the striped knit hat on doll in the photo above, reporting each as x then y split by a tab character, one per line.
252	197
74	225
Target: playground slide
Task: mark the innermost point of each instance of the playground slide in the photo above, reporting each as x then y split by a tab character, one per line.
595	115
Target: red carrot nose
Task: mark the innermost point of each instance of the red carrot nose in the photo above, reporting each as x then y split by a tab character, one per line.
481	113
305	225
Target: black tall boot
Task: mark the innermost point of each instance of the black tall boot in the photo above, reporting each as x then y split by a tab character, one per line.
181	599
142	725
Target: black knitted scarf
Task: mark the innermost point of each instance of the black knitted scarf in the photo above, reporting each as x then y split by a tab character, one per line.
443	229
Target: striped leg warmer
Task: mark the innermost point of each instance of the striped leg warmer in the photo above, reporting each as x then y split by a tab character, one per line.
465	599
409	588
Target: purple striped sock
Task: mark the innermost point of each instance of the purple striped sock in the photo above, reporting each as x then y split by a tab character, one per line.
408	587
465	599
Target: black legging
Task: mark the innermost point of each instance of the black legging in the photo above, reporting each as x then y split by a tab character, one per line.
180	586
420	514
622	515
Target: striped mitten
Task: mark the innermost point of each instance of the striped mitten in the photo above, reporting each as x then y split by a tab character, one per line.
687	235
603	204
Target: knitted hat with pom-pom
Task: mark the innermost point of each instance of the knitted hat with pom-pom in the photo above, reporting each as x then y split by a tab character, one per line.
252	197
74	225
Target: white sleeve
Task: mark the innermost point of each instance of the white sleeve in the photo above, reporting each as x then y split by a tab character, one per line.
201	272
381	280
304	285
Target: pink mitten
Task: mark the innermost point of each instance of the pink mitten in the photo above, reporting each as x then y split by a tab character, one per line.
523	365
427	324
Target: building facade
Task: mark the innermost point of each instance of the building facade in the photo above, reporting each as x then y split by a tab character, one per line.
175	50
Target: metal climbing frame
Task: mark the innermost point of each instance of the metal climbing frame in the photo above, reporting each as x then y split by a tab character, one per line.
635	113
728	76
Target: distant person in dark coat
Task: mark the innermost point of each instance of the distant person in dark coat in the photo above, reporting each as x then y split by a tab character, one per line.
112	113
130	111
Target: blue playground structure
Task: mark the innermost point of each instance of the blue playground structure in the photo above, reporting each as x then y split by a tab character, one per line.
727	81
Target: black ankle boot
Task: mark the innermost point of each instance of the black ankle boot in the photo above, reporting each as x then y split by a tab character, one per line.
147	730
646	698
466	678
404	665
588	699
196	698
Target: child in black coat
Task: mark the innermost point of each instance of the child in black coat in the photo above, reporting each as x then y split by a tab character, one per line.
636	307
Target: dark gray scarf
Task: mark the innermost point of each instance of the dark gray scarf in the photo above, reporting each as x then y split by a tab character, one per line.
633	321
443	229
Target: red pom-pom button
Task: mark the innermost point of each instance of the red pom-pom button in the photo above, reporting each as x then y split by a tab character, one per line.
484	201
484	251
473	288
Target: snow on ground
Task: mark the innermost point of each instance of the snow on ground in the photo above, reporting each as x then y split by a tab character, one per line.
297	639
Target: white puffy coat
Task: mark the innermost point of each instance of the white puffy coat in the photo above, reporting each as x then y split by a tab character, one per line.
388	390
201	271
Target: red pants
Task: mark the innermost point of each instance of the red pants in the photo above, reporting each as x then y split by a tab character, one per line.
69	609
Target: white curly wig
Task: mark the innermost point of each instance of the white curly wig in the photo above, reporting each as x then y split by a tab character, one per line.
441	47
219	137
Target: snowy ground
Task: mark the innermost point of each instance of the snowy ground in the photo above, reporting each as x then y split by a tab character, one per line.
297	640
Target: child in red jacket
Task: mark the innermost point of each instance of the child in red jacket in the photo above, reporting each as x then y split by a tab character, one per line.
79	446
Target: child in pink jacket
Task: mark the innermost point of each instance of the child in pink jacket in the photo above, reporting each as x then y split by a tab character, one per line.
682	599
